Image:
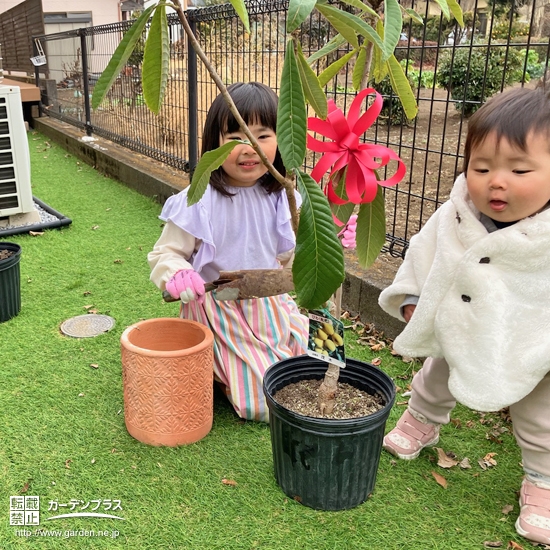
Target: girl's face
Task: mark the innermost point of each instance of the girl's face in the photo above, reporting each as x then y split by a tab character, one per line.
243	166
506	183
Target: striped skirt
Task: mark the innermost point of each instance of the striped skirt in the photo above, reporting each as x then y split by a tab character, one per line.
249	336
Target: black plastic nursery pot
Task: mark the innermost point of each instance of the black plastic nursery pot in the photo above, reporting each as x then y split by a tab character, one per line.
10	282
323	463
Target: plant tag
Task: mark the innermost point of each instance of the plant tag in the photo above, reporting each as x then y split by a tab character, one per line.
326	338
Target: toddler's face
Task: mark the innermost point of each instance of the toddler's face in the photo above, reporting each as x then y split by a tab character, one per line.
243	166
506	183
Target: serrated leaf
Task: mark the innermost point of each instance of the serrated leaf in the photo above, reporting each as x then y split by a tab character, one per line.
318	268
332	45
156	60
402	87
371	230
355	23
310	84
291	113
340	22
208	162
332	70
456	10
298	11
360	6
444	8
120	57
240	9
413	15
359	69
393	23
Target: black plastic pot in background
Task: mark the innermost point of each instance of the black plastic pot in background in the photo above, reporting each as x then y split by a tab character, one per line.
10	282
322	463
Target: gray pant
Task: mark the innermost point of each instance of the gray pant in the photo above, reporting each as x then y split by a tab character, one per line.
530	416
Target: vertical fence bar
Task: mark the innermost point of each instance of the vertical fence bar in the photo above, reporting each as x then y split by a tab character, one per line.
85	82
192	100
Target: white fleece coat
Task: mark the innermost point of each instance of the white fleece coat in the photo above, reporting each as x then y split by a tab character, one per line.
484	302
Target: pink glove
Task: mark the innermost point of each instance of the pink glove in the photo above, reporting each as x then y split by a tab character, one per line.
187	285
349	232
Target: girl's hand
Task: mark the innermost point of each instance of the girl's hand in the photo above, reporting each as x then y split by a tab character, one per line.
187	285
349	233
408	311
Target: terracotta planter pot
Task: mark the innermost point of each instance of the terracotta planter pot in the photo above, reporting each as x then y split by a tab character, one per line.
167	373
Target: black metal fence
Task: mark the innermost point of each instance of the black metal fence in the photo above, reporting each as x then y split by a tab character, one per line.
452	71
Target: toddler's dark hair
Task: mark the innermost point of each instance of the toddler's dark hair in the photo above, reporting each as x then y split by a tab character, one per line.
257	104
513	115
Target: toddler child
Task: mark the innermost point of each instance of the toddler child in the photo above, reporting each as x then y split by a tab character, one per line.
474	289
241	222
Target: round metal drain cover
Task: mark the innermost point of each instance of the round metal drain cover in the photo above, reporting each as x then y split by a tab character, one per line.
87	326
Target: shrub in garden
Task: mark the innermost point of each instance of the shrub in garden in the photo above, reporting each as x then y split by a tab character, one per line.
474	75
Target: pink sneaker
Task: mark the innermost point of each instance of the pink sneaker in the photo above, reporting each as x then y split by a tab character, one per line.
533	522
410	436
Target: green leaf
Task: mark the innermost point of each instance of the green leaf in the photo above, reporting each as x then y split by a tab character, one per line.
356	24
393	23
240	9
310	84
298	11
413	15
332	45
339	21
371	230
402	87
120	57
342	211
359	69
379	68
156	60
360	6
291	113
318	268
456	10
444	8
209	162
332	70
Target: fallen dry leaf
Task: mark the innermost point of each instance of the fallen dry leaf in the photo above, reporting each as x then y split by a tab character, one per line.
465	463
25	488
117	261
89	306
508	508
492	544
489	458
230	482
376	361
68	463
94	365
440	480
94	227
444	460
36	233
515	546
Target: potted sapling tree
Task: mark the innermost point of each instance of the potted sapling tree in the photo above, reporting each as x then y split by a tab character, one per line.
323	462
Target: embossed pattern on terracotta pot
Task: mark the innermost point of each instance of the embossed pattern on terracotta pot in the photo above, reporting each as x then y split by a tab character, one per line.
167	374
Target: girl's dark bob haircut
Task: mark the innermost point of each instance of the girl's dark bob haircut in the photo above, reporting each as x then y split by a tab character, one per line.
257	104
514	115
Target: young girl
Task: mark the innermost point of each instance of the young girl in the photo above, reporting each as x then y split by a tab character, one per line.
241	222
474	290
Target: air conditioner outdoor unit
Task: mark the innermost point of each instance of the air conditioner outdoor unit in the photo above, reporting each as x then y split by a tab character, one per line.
15	167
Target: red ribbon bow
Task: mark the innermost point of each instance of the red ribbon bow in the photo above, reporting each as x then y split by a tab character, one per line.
345	150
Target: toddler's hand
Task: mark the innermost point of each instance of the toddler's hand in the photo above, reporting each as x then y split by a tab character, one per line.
187	285
408	311
349	233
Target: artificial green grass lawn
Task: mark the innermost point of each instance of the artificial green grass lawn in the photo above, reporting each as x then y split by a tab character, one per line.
62	432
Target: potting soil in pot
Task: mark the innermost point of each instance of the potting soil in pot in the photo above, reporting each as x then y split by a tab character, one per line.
302	398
